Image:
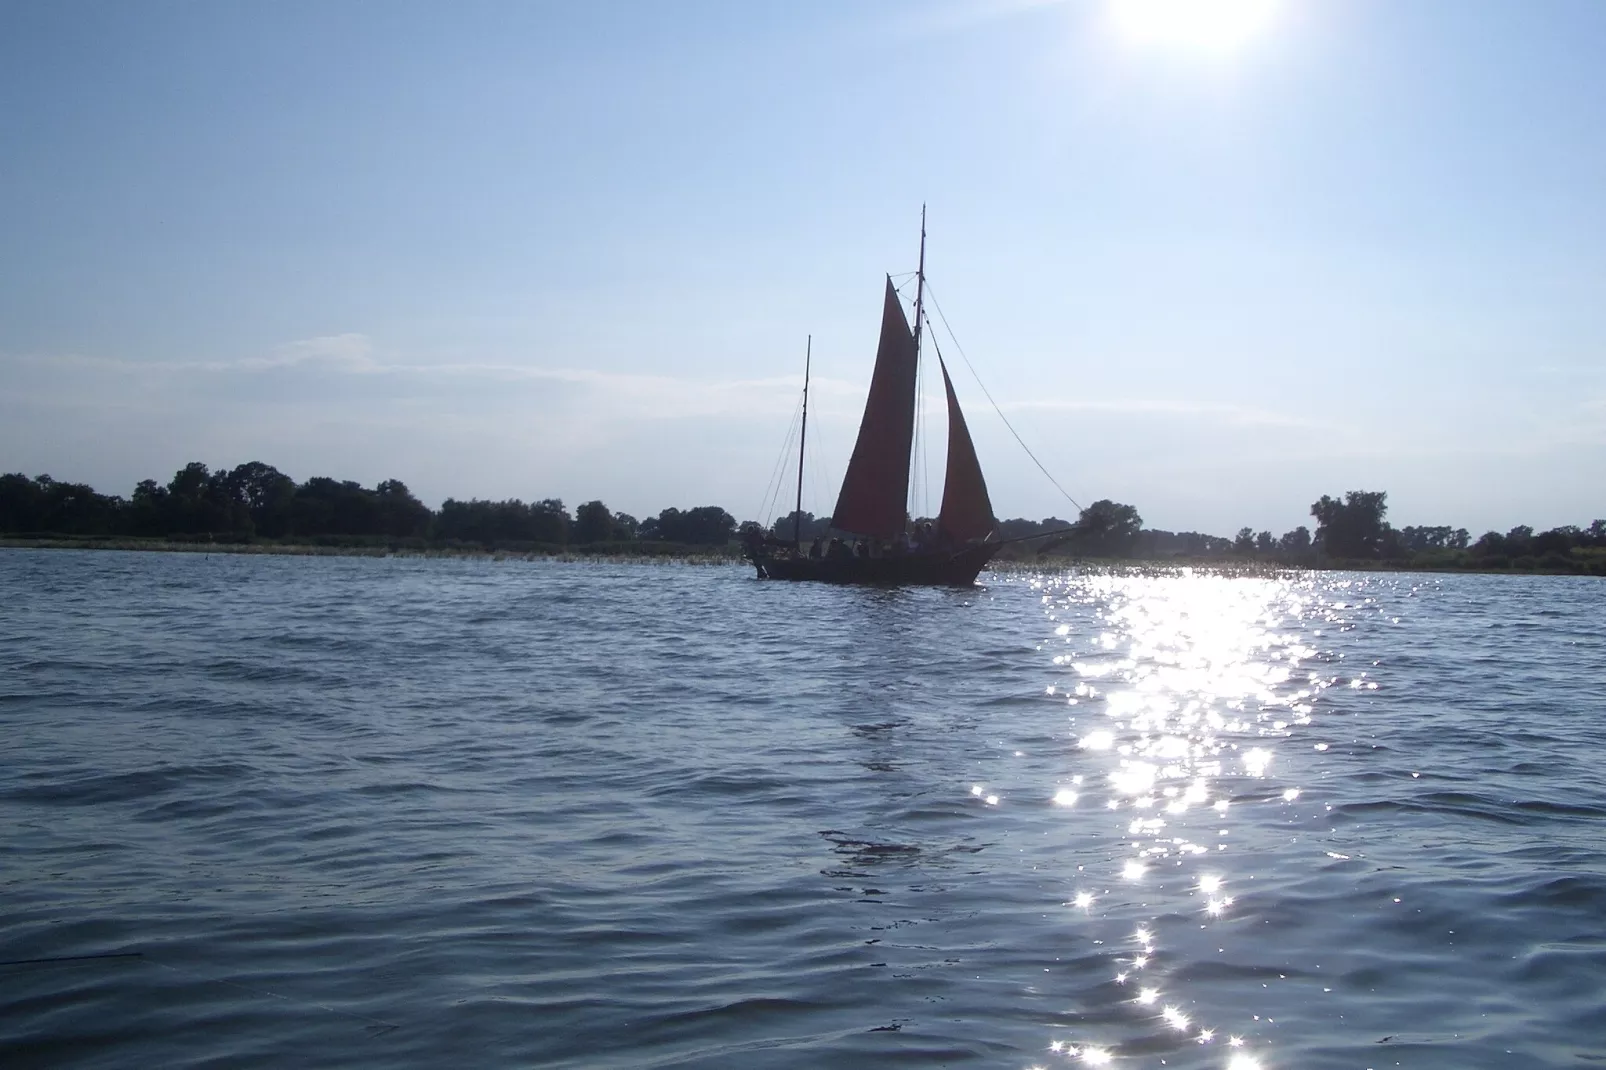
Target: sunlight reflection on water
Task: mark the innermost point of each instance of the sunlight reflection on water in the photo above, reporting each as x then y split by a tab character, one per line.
619	816
1188	679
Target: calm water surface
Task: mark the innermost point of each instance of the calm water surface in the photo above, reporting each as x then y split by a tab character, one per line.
421	813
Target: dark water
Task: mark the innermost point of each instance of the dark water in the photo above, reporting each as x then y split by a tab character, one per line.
425	813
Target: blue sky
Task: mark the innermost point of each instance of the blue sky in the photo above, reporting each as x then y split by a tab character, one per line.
573	250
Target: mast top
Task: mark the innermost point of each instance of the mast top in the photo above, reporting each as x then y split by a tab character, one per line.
921	270
920	281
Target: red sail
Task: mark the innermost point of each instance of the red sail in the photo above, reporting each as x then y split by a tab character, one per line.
967	513
875	489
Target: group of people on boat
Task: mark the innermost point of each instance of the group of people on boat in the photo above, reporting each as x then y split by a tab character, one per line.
926	540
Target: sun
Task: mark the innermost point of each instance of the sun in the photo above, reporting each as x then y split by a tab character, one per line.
1209	26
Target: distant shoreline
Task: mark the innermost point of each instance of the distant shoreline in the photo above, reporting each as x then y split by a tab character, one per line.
255	508
665	553
668	553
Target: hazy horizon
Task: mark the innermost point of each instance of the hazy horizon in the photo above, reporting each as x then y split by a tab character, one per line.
573	251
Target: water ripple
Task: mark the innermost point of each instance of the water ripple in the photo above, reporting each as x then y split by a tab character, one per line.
401	812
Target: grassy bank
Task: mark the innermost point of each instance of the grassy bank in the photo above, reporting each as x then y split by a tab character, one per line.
330	546
1580	562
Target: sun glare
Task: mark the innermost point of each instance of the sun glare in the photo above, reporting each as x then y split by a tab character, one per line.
1212	26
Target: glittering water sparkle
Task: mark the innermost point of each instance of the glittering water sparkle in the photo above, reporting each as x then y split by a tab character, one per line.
387	812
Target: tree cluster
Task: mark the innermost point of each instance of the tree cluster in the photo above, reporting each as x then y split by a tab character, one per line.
707	525
810	528
1354	529
252	500
256	501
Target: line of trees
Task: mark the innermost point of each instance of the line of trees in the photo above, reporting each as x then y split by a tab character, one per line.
1111	529
255	501
1350	531
1354	529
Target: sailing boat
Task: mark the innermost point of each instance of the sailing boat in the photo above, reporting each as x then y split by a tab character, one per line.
874	543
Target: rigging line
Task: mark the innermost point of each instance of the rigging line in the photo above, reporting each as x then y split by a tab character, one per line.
772	488
917	501
921	470
814	482
961	349
925	442
780	475
823	472
770	491
912	498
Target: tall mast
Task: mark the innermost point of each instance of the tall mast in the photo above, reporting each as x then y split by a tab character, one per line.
920	282
802	439
920	298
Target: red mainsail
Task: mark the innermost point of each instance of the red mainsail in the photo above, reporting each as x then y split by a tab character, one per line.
875	489
967	512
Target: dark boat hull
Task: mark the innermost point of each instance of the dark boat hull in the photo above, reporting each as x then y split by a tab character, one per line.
957	569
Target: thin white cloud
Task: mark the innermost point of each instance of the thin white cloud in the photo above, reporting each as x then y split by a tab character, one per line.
351	352
1240	415
638	395
76	380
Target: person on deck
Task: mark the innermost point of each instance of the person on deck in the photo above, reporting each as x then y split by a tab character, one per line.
814	549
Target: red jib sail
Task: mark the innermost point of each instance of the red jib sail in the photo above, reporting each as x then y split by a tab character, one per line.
967	513
876	486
